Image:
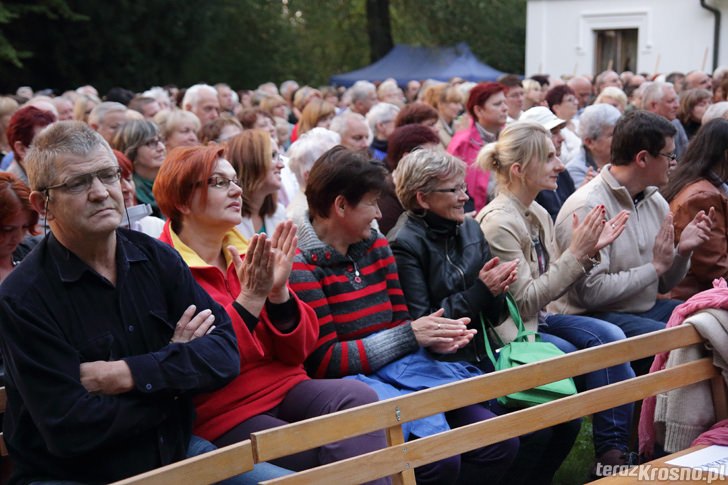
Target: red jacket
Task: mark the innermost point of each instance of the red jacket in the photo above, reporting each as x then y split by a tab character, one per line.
271	362
466	145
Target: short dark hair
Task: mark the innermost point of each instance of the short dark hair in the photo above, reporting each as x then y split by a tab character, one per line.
415	113
557	94
341	171
405	139
639	130
510	81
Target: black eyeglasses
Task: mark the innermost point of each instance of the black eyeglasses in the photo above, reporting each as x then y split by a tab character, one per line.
153	142
670	156
82	183
218	182
453	190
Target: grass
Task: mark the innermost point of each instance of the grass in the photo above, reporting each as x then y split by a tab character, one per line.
577	466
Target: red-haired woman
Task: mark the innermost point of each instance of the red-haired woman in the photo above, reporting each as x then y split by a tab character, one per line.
198	191
17	220
489	112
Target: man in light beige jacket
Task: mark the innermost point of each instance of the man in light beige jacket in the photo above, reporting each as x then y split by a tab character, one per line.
645	259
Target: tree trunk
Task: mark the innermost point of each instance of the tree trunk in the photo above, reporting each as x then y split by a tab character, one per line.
379	28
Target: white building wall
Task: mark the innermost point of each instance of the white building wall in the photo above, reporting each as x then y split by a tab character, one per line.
673	35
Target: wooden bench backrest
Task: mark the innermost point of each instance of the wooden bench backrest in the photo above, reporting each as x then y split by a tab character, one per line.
400	458
203	469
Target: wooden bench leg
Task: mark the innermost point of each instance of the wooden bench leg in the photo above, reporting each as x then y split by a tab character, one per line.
720	402
405	477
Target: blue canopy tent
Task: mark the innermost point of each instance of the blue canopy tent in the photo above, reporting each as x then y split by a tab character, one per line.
406	62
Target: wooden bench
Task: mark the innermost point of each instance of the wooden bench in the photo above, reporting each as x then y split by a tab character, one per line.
399	459
207	468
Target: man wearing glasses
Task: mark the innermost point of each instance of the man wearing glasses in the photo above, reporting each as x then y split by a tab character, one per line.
645	260
103	349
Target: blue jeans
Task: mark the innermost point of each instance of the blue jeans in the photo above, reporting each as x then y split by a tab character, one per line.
260	472
575	332
633	324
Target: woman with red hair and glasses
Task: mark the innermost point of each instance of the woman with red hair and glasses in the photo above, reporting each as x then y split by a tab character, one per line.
489	113
17	220
198	190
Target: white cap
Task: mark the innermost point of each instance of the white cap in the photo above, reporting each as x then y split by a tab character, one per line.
543	116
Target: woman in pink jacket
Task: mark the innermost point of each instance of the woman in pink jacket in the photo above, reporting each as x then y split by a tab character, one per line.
489	112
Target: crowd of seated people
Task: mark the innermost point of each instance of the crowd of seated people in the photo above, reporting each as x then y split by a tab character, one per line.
320	249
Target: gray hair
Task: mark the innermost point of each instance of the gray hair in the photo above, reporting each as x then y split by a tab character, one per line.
719	72
717	110
287	88
57	139
361	90
340	124
595	118
421	170
193	93
132	135
599	80
308	148
380	113
653	93
97	115
160	94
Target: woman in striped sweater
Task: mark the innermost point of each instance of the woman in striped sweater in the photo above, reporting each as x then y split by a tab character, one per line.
346	272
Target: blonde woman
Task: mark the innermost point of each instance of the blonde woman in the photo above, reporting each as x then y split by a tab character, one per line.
178	128
518	228
614	96
317	113
533	94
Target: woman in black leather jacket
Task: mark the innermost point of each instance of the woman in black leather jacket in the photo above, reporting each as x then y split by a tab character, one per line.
442	258
443	261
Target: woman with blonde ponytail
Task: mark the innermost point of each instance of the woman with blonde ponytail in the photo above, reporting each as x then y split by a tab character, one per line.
518	228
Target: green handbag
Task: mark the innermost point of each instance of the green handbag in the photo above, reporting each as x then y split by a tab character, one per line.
522	351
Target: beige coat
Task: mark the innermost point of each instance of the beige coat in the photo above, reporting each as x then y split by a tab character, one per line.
625	280
508	227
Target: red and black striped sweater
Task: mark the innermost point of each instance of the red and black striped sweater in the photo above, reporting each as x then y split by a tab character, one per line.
363	319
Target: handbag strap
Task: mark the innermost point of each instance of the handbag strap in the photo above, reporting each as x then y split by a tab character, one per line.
517	320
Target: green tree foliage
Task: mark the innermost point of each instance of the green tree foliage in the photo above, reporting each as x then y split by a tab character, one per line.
19	12
494	29
139	43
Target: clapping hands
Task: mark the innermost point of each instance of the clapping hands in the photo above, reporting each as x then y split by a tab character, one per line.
264	272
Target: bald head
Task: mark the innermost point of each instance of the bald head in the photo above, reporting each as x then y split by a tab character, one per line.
698	80
582	88
605	79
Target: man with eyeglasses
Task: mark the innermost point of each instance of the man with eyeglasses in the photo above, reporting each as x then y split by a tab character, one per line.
646	259
103	347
